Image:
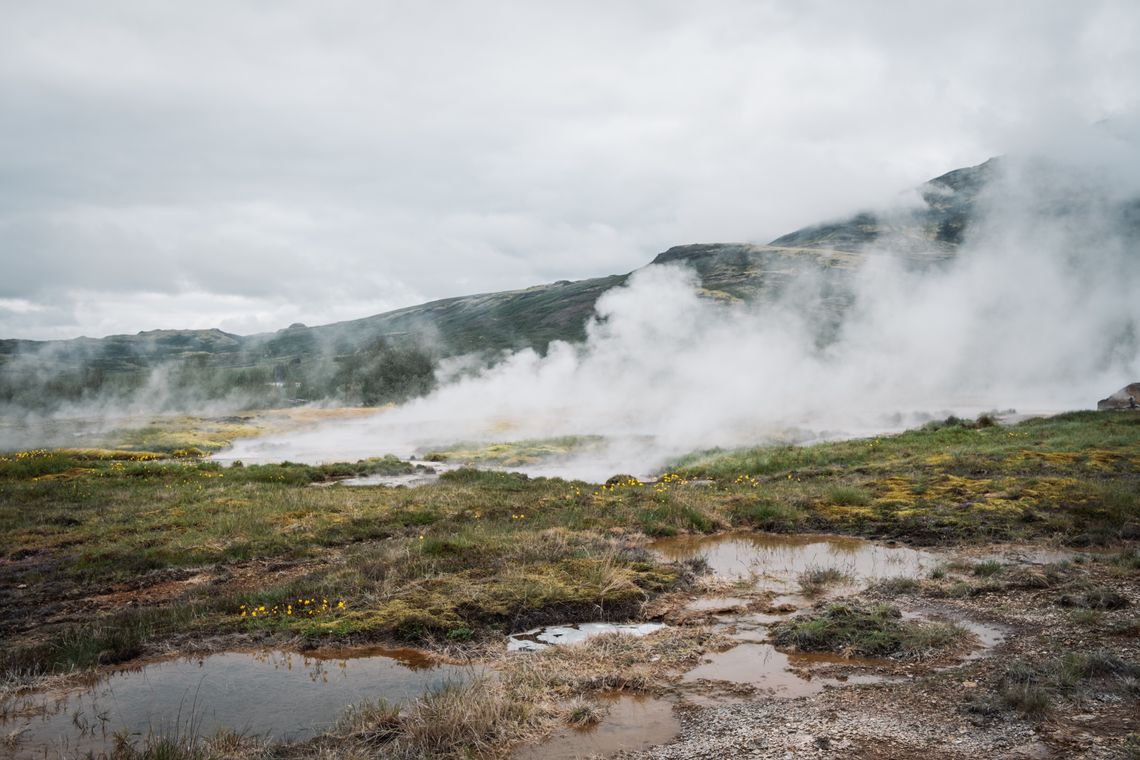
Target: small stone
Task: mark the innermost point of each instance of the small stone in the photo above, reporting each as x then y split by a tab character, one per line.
22	585
969	684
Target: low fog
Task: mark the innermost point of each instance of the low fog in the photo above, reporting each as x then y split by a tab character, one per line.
1038	312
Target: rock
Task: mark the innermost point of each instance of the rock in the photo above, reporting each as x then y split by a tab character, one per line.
1119	400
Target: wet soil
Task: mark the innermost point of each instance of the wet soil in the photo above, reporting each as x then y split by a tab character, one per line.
936	709
751	699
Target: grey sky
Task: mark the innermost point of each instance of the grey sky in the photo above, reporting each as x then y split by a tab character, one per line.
246	165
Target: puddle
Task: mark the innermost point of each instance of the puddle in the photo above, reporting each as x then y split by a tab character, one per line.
754	667
773	563
717	604
282	695
989	635
776	561
540	638
775	673
633	723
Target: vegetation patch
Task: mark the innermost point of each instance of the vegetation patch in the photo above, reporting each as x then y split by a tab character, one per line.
855	629
480	553
1034	689
531	694
816	580
898	585
1093	599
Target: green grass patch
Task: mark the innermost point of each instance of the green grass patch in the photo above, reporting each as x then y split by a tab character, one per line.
857	629
1035	689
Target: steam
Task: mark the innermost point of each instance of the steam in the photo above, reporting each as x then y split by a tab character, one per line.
1039	311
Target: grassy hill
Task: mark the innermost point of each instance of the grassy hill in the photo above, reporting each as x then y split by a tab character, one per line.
392	356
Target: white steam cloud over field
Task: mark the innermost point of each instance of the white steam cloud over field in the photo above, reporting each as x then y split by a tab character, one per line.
1040	311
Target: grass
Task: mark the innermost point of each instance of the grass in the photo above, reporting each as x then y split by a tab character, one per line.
482	552
461	720
581	712
848	496
1093	599
816	580
988	568
1070	475
898	586
458	720
530	697
457	564
860	630
1035	689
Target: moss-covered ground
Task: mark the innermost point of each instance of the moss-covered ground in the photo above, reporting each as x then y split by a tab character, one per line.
483	552
113	553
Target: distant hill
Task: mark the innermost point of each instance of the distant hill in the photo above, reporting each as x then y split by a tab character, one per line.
392	356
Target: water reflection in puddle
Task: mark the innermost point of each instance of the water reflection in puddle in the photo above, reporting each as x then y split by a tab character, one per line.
633	723
765	563
540	638
775	562
278	694
772	672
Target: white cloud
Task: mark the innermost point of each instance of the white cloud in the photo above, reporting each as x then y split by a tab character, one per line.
375	154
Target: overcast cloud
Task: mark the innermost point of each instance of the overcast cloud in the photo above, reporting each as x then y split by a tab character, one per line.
246	165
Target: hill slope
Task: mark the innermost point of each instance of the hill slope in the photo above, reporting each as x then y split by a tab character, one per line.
392	356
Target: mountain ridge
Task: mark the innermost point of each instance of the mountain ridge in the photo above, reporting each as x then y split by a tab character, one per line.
402	348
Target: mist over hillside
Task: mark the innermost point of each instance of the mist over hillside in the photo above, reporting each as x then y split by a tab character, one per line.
393	356
1007	284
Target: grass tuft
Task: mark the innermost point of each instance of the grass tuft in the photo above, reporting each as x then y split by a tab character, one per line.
816	580
898	585
855	629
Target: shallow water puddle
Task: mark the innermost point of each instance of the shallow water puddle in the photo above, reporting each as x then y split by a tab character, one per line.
633	723
772	672
721	604
278	694
540	638
775	562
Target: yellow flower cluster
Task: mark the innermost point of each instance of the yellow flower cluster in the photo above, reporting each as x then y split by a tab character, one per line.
746	480
618	484
518	517
661	487
301	608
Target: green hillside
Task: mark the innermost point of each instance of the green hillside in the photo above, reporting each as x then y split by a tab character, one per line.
392	356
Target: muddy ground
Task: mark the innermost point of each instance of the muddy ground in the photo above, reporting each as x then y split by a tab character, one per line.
1055	682
965	709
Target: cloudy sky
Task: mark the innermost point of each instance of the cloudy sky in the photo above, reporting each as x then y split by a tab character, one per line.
246	165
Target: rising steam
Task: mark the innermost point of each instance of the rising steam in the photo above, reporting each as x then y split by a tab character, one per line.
1039	312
